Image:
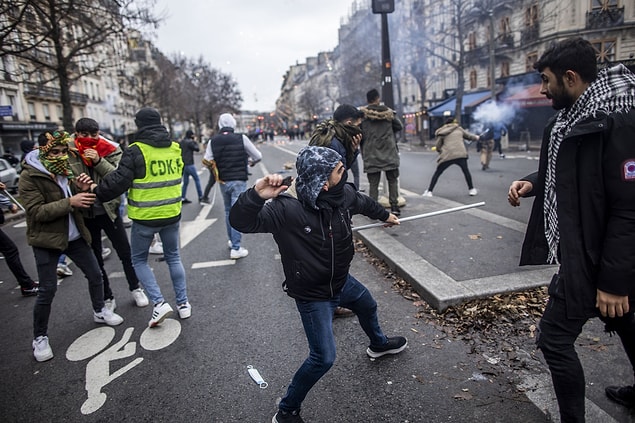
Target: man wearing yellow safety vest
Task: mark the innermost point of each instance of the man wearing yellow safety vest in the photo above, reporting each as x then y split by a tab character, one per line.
151	170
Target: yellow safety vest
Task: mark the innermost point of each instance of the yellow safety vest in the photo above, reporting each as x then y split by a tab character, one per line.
158	194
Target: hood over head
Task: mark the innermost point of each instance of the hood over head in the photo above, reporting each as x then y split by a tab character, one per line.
226	120
314	166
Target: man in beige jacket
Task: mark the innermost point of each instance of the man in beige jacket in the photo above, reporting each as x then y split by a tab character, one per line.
451	151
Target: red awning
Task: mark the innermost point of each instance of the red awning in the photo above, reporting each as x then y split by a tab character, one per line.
529	97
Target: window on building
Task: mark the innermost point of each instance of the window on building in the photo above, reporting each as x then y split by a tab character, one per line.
504	69
531	15
472	41
604	5
473	79
605	50
31	107
506	28
47	112
530	60
60	113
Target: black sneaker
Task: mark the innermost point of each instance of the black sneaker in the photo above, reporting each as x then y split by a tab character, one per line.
395	210
30	292
395	345
185	201
204	200
287	417
623	395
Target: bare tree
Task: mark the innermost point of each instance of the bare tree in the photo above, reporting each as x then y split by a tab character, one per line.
58	38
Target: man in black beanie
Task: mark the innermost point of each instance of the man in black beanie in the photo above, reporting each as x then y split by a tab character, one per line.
151	170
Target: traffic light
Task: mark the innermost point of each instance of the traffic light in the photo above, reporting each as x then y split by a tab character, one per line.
383	6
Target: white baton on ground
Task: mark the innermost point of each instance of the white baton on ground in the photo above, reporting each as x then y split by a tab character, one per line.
421	216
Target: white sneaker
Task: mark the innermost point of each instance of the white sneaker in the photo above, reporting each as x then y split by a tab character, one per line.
239	253
105	253
427	193
64	270
473	192
41	349
139	297
156	248
160	312
110	304
108	317
185	310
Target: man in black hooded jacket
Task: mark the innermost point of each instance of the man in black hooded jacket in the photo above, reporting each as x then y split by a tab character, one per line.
311	223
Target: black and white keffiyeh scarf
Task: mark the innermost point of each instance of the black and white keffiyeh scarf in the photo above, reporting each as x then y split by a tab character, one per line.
612	92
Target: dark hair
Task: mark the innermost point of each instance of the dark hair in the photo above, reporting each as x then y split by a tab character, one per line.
189	133
372	95
346	111
86	125
576	54
450	120
42	140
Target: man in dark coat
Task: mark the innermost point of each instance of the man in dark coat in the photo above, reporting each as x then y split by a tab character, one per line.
311	223
379	148
583	216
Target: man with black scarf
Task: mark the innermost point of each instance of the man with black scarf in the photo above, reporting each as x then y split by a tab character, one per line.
311	223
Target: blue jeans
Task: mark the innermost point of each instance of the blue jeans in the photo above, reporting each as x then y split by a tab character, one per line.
317	319
190	170
46	261
231	190
141	237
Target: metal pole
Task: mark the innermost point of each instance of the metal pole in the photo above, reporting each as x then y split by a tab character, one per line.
421	216
386	70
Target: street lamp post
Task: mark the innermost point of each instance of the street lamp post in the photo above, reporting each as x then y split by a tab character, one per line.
384	7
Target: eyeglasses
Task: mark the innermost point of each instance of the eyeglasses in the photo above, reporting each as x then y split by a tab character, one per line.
57	151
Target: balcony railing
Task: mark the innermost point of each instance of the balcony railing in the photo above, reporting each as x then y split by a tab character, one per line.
41	92
599	19
529	34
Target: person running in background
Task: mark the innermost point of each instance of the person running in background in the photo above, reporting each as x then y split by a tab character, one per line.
188	147
452	151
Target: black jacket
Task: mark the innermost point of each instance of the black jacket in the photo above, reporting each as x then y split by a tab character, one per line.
595	191
316	246
230	155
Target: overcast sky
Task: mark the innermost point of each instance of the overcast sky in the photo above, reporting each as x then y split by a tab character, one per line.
255	41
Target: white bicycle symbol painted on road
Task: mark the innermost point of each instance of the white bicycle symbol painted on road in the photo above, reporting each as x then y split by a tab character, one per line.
97	341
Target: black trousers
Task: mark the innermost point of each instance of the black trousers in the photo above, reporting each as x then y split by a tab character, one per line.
117	235
46	259
12	255
556	340
462	163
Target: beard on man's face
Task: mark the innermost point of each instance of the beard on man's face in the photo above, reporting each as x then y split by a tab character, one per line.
560	99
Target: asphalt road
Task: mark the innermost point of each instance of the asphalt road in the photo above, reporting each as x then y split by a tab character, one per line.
196	370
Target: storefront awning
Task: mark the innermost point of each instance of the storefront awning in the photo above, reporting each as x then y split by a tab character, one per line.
470	100
528	97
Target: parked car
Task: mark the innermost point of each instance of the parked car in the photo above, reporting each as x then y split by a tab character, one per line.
9	176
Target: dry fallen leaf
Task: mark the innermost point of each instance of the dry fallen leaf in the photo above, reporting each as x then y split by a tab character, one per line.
477	236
